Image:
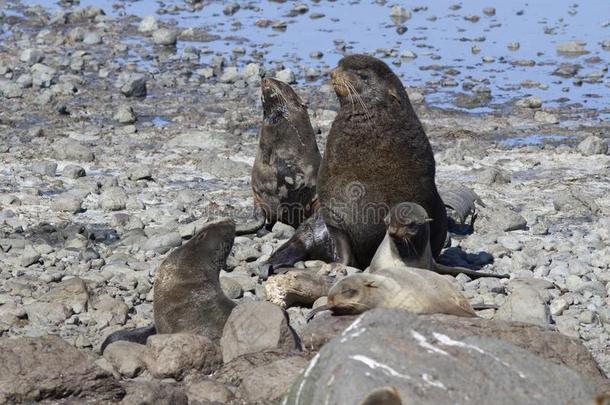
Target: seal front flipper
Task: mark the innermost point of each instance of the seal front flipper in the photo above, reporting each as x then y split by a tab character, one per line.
137	335
312	240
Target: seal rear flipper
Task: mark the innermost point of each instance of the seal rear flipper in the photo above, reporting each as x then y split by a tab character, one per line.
454	271
138	335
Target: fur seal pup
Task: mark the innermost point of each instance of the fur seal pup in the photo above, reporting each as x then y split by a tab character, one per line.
409	288
187	293
287	160
407	243
377	155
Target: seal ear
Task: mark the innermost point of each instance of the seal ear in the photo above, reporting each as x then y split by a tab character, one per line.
394	94
387	395
371	283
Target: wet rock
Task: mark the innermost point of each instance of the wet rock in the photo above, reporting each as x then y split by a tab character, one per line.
70	149
126	357
525	304
297	287
399	13
545	117
164	37
435	363
113	199
408	55
529	102
513	46
231	8
173	355
489	11
572	48
148	24
230	75
286	75
125	114
206	391
92	38
154	393
256	326
567	70
48	368
593	145
493	175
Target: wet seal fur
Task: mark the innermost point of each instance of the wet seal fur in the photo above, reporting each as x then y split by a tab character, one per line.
407	243
377	155
187	293
284	175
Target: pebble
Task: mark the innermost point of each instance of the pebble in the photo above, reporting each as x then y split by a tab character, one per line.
125	114
132	84
164	37
286	75
572	48
529	102
593	145
148	24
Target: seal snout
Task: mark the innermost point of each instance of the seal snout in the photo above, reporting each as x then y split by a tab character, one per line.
338	79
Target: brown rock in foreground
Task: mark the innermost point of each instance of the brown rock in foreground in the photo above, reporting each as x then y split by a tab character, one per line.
48	368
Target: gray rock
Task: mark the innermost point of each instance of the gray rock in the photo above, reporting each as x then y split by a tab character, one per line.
282	231
230	75
232	288
271	381
140	172
73	171
113	199
205	391
529	102
231	8
593	145
499	218
493	175
567	70
125	114
10	89
70	149
43	75
126	357
489	11
432	363
164	37
545	117
44	314
162	243
254	327
400	13
173	355
29	256
525	304
92	38
68	202
297	287
31	56
132	84
154	393
45	168
109	311
48	368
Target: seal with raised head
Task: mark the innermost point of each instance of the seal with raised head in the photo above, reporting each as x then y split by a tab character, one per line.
407	243
377	155
415	290
287	160
187	293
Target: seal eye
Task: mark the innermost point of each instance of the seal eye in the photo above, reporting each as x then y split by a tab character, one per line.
349	292
363	76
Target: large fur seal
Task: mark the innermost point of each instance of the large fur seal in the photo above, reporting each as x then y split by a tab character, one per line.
377	155
407	243
415	290
187	293
287	160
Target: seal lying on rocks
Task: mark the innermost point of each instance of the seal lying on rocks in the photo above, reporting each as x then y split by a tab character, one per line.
287	160
187	293
415	290
407	242
377	155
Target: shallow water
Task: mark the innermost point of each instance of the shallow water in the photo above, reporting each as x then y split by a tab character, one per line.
366	26
535	139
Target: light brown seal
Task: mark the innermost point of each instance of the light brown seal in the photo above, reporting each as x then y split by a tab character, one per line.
415	290
187	293
377	155
285	170
407	243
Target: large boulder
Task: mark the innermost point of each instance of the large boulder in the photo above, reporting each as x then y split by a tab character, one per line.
445	359
48	368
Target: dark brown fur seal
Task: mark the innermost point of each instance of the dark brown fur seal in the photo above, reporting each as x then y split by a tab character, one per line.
187	293
407	242
287	160
377	155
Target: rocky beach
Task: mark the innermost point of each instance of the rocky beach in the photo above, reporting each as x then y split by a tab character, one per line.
126	126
